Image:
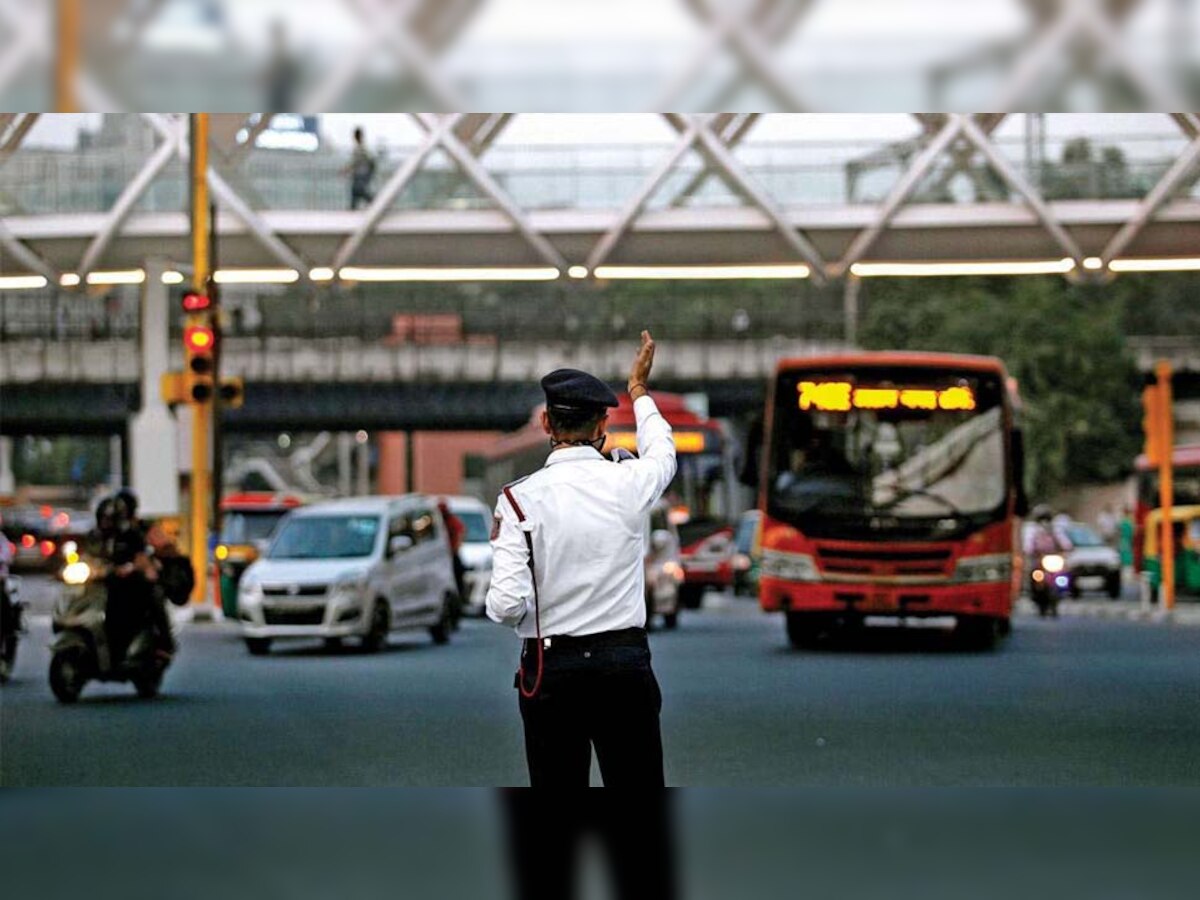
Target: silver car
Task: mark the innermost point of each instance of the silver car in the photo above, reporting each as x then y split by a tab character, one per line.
355	568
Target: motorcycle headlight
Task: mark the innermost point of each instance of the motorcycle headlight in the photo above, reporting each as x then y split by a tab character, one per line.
673	570
789	566
992	567
1053	563
76	573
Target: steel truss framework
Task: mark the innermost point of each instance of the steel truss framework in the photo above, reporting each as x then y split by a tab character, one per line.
464	138
417	33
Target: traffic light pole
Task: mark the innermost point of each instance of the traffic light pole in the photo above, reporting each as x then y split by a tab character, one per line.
201	483
1166	482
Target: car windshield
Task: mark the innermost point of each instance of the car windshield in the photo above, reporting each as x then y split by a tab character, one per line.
246	527
1082	536
476	525
888	446
325	537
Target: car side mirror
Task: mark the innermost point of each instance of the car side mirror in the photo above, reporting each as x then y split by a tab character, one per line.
398	544
660	540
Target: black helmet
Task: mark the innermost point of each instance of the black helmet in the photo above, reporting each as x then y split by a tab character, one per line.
1042	513
129	498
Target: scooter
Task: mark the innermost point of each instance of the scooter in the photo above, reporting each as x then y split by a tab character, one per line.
82	651
11	589
1049	582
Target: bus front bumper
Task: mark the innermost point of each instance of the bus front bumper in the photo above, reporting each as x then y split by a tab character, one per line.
937	599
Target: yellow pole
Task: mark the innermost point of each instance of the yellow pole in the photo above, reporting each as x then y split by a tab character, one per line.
66	63
1166	481
201	412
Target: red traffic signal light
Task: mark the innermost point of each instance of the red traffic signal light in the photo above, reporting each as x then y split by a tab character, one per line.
193	302
199	339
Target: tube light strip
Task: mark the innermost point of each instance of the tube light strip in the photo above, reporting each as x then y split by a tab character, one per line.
124	276
22	282
1178	264
256	276
999	267
702	272
362	273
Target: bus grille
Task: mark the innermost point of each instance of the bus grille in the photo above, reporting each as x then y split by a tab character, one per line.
883	561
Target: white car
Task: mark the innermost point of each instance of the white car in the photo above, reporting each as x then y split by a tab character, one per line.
360	567
475	552
1091	563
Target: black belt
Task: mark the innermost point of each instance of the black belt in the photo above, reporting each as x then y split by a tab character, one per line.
625	637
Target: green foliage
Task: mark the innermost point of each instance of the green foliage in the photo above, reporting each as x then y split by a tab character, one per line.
1064	344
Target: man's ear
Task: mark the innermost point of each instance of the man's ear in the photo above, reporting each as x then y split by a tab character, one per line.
545	418
602	428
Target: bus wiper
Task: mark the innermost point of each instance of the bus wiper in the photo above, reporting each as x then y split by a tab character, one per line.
922	492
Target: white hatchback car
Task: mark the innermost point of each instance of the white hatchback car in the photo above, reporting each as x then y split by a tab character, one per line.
475	552
359	567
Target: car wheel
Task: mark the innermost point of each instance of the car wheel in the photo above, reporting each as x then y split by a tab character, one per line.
333	644
1114	586
441	631
381	623
258	646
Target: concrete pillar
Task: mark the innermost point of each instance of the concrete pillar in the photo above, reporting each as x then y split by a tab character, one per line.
364	469
116	463
152	433
8	483
850	300
345	455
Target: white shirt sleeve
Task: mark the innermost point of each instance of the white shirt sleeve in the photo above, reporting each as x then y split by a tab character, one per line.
655	466
511	589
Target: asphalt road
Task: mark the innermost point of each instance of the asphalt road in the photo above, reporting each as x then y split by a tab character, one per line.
1075	701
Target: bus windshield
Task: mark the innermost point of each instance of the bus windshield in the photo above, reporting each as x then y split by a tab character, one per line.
886	450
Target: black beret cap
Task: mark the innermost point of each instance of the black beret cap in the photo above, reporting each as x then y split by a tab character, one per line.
572	389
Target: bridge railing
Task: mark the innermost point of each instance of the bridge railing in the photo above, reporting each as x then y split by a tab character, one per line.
37	181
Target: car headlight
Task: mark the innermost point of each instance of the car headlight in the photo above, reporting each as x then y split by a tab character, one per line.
1053	563
76	573
350	583
789	566
992	567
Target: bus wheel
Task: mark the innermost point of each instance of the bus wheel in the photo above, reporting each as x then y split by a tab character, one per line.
978	632
802	629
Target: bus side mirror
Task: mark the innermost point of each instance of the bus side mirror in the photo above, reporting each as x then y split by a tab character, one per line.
1018	472
752	463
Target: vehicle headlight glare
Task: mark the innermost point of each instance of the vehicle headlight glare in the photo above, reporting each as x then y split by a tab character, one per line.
76	573
1053	563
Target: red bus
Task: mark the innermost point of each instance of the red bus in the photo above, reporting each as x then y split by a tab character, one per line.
891	486
1186	479
701	496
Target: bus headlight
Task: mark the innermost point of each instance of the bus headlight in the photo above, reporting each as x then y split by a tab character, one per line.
992	567
789	566
76	573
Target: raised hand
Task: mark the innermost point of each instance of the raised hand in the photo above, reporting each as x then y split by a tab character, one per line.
642	363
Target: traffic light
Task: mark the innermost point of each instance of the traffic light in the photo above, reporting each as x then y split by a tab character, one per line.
196	303
199	344
1152	422
233	392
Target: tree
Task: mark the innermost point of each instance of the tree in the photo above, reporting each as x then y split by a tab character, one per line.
1064	345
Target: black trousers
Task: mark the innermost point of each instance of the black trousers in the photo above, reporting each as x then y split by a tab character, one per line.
597	692
549	830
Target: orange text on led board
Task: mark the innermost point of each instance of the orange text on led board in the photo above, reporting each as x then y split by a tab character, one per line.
842	396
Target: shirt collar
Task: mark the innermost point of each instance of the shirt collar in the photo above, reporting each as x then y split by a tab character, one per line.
572	454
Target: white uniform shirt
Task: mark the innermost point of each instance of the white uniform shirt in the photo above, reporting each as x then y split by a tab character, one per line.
587	518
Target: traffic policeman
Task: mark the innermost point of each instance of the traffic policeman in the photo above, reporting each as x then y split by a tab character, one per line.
567	574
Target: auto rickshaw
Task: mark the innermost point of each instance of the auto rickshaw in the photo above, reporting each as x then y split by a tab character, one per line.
247	522
1186	529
